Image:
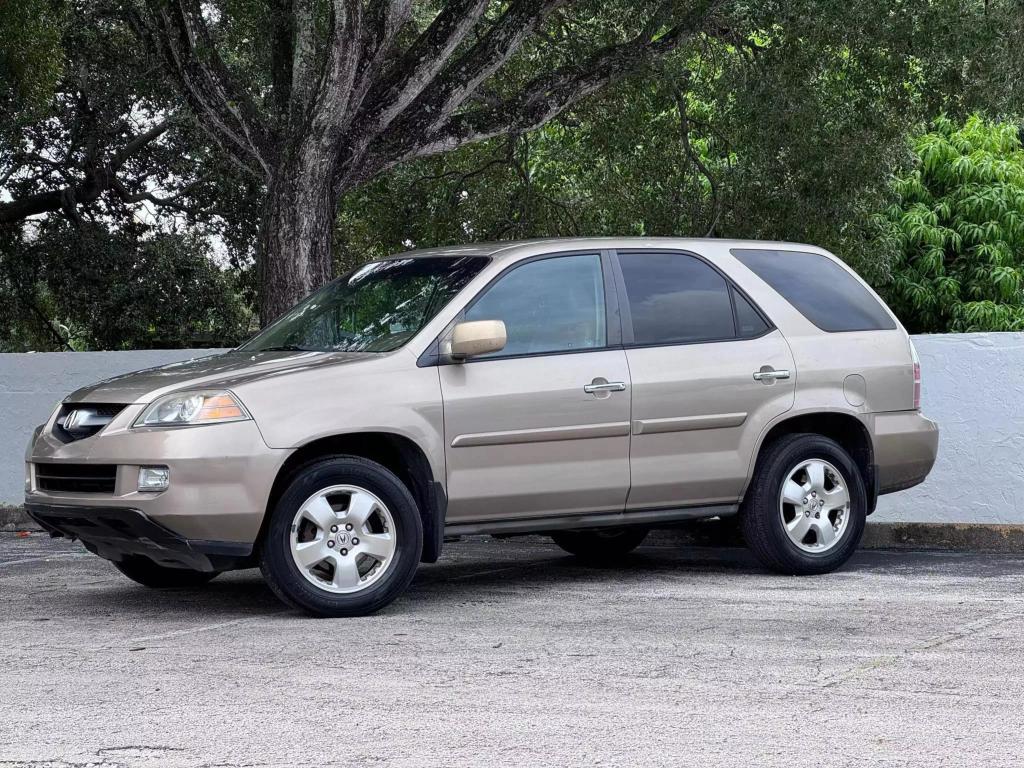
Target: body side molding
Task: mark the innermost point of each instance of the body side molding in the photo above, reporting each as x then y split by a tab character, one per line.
572	522
687	423
543	435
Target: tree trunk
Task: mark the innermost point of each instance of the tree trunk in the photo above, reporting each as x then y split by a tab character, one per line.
295	233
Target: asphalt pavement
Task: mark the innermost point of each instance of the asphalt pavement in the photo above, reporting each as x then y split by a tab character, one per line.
509	652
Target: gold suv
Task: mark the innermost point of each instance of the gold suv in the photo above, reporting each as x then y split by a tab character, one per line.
590	389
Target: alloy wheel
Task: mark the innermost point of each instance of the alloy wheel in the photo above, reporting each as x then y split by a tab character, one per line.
342	539
814	505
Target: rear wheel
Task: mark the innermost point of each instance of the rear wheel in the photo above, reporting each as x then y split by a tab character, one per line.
601	545
146	572
344	539
806	508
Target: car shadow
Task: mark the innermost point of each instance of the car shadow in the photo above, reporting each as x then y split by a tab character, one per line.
506	571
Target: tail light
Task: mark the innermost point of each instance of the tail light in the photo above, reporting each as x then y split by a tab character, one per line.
917	377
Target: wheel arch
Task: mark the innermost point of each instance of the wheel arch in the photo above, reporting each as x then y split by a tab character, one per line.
846	428
398	453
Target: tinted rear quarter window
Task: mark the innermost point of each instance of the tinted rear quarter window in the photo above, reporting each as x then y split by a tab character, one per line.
748	322
821	290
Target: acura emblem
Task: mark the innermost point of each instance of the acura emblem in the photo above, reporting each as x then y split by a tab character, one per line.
76	419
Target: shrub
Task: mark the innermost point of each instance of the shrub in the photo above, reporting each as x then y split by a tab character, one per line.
959	228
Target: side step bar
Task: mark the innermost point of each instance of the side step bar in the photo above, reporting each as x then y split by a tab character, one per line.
652	517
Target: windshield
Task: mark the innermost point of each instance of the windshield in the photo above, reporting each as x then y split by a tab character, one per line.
376	308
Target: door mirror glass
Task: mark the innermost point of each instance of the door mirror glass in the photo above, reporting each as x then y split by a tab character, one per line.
477	337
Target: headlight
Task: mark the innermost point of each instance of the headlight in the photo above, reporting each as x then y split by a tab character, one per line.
185	408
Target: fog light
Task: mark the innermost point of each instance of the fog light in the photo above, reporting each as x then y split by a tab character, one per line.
153	479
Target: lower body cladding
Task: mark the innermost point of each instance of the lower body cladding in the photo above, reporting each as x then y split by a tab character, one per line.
119	533
653	517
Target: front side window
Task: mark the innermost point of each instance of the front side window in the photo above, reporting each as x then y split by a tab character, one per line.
821	290
675	299
549	305
376	308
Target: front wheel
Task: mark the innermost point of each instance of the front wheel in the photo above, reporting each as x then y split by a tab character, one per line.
806	508
601	545
344	539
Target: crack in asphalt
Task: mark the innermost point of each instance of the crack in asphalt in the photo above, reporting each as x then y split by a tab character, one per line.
968	630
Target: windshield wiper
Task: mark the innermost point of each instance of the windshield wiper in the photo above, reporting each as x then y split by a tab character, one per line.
285	348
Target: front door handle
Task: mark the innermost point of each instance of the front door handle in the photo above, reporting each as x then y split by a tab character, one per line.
767	373
604	386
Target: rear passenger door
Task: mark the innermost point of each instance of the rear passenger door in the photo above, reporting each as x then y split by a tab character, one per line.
708	372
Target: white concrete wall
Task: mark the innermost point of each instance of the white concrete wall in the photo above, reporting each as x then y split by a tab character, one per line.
973	385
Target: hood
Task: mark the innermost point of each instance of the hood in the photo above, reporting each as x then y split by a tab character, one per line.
223	371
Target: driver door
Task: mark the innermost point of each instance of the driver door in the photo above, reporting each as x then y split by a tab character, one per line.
540	428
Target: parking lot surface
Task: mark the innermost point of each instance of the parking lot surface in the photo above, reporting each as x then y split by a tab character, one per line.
511	653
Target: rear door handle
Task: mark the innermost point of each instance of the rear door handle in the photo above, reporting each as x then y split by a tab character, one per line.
770	374
608	386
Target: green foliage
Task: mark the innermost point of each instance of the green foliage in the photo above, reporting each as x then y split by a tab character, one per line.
959	226
78	279
90	288
31	59
796	121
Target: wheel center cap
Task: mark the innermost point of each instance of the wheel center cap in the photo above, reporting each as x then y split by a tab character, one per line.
341	538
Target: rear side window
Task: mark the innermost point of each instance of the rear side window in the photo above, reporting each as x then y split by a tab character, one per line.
821	290
675	298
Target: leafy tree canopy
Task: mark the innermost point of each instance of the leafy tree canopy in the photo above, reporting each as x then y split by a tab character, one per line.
102	174
773	119
86	287
30	57
958	226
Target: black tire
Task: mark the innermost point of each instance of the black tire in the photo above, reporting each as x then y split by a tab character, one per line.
283	575
762	524
600	546
144	571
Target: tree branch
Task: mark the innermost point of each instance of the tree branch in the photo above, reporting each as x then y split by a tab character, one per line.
462	79
382	21
145	196
541	100
6	175
176	30
99	178
343	54
304	67
420	64
137	143
692	154
283	16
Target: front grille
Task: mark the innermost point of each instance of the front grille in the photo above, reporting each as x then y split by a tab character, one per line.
76	478
77	421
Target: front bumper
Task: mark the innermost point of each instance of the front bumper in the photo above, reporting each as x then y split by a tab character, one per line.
906	444
117	533
221	476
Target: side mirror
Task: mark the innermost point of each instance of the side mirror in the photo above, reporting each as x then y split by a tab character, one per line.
479	337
